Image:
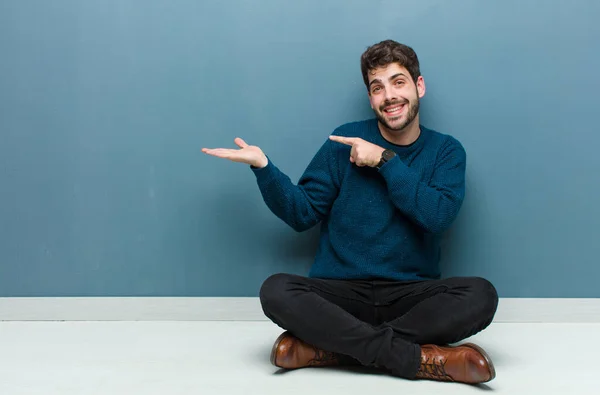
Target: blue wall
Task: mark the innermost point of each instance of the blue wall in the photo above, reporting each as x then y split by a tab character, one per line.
105	105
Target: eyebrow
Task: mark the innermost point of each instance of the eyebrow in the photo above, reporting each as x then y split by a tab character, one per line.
391	78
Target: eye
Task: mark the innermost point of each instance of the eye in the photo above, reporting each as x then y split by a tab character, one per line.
400	82
376	89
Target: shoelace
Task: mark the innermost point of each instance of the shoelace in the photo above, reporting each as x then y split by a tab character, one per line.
434	369
323	357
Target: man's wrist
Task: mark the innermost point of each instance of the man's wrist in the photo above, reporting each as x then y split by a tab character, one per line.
262	163
386	156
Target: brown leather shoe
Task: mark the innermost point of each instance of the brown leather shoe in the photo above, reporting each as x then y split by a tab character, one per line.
289	352
467	363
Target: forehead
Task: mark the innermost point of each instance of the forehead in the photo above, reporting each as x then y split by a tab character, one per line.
385	72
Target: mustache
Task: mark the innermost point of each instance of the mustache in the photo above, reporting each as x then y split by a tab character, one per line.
390	103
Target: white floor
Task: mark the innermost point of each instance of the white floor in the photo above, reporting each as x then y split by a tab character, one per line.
173	358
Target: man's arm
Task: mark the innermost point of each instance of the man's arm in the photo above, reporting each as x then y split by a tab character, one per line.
303	205
432	206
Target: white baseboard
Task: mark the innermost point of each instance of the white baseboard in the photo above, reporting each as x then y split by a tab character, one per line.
248	309
131	309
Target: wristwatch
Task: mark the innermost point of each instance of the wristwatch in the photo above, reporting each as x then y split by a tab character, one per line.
385	156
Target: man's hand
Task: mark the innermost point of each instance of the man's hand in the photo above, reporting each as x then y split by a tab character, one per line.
362	153
248	154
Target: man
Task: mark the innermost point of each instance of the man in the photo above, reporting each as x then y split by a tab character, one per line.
384	190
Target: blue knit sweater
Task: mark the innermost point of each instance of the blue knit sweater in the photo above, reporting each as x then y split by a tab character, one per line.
375	224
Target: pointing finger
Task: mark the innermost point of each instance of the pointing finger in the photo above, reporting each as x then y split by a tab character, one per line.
343	140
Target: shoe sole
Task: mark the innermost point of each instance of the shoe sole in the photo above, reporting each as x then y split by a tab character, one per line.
275	346
486	357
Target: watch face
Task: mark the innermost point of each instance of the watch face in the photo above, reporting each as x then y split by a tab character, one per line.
388	154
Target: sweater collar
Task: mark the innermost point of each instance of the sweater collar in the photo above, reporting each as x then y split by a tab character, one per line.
381	141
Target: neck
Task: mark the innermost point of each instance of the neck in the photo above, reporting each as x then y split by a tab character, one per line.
406	136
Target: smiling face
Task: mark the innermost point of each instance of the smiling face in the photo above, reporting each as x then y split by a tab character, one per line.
394	97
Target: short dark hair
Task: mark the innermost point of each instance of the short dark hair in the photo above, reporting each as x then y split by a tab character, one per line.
387	52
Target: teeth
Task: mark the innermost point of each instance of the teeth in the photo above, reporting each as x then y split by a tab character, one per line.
394	109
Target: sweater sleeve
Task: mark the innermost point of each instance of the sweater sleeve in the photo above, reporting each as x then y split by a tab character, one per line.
435	205
303	205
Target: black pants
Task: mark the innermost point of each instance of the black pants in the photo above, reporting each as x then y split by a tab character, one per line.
379	323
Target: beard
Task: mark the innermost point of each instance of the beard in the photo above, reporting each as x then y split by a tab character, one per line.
411	114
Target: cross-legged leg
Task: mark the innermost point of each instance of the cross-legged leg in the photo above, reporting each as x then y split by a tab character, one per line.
383	323
439	311
338	316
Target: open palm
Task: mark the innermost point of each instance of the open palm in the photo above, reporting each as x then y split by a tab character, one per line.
249	154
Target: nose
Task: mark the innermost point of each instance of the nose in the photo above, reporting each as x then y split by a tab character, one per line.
390	95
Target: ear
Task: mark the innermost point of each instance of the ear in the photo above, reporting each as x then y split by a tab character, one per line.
421	86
